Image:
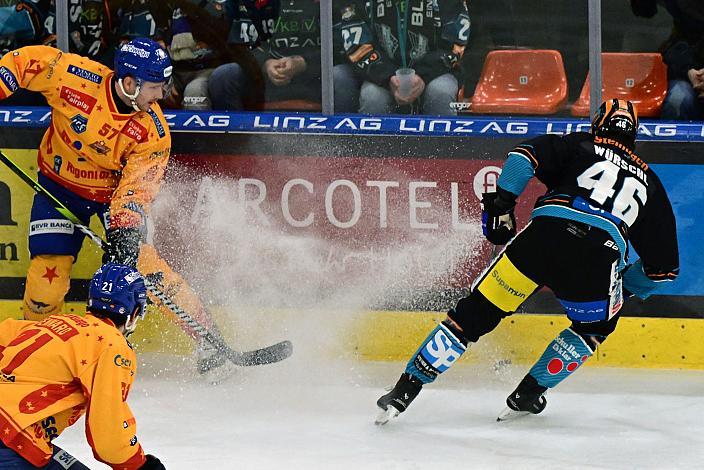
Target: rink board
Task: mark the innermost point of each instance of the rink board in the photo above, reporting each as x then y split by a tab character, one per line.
448	159
666	343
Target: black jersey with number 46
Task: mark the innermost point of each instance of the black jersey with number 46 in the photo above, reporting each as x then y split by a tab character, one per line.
600	182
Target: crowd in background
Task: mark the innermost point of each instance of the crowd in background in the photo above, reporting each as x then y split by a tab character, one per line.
390	56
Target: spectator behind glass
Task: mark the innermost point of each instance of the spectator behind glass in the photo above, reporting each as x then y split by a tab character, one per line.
22	23
137	19
88	27
290	58
208	65
683	52
429	37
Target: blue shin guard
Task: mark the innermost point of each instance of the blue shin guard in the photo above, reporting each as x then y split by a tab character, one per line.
437	353
562	357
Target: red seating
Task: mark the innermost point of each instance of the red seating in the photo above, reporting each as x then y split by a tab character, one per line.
521	82
638	77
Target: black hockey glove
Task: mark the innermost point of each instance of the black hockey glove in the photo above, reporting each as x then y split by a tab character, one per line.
152	463
123	246
498	221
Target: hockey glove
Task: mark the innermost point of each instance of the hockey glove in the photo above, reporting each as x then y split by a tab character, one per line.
123	246
498	221
152	463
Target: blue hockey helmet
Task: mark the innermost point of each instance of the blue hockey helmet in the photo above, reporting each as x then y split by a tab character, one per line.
118	292
143	59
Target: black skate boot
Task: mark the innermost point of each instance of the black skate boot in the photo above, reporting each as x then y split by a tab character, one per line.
397	400
528	398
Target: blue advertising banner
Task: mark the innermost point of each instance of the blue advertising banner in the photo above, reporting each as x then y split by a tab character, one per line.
685	186
463	126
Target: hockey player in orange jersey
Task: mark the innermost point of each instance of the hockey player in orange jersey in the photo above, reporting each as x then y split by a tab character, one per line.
55	370
104	154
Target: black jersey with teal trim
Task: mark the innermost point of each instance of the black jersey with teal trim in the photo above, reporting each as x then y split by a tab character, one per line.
602	183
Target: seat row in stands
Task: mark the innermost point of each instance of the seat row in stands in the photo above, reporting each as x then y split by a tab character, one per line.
534	82
527	81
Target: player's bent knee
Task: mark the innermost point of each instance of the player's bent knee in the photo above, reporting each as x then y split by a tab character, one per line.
497	293
476	316
48	281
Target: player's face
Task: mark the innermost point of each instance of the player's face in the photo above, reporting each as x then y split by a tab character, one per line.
149	93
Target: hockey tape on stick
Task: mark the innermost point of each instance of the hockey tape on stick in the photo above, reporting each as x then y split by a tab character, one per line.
267	355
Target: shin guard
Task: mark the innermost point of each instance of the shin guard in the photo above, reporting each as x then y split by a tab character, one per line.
48	281
443	346
562	357
154	268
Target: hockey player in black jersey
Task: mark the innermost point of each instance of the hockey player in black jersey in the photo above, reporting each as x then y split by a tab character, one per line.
600	196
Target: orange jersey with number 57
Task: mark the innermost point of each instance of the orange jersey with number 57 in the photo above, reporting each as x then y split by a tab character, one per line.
90	148
53	371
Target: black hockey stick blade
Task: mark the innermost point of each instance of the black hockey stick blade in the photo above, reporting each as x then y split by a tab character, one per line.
257	357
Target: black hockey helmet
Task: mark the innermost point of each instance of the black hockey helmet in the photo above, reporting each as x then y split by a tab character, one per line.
618	120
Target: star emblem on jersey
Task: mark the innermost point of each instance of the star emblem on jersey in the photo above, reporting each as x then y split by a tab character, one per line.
50	274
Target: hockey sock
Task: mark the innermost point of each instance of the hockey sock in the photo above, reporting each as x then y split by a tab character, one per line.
562	357
443	346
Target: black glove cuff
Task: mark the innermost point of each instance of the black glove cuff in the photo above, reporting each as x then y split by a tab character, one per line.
505	200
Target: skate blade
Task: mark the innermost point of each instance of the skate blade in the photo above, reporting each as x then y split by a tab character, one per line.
386	415
508	414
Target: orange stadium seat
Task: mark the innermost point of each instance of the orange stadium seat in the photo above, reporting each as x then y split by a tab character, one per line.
293	105
638	77
521	81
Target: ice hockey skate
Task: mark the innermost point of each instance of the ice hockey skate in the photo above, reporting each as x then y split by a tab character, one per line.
528	398
398	399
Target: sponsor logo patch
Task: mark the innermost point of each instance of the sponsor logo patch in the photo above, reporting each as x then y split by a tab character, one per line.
79	173
85	74
100	147
64	459
441	352
78	100
138	51
159	127
40	227
135	130
9	79
122	362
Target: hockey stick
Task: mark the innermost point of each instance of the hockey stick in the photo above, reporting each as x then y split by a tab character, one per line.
270	354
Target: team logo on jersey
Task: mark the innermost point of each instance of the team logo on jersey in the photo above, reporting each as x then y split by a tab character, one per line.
9	79
78	100
85	74
79	124
159	127
100	147
58	161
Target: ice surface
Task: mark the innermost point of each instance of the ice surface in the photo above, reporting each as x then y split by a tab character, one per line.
298	415
315	412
